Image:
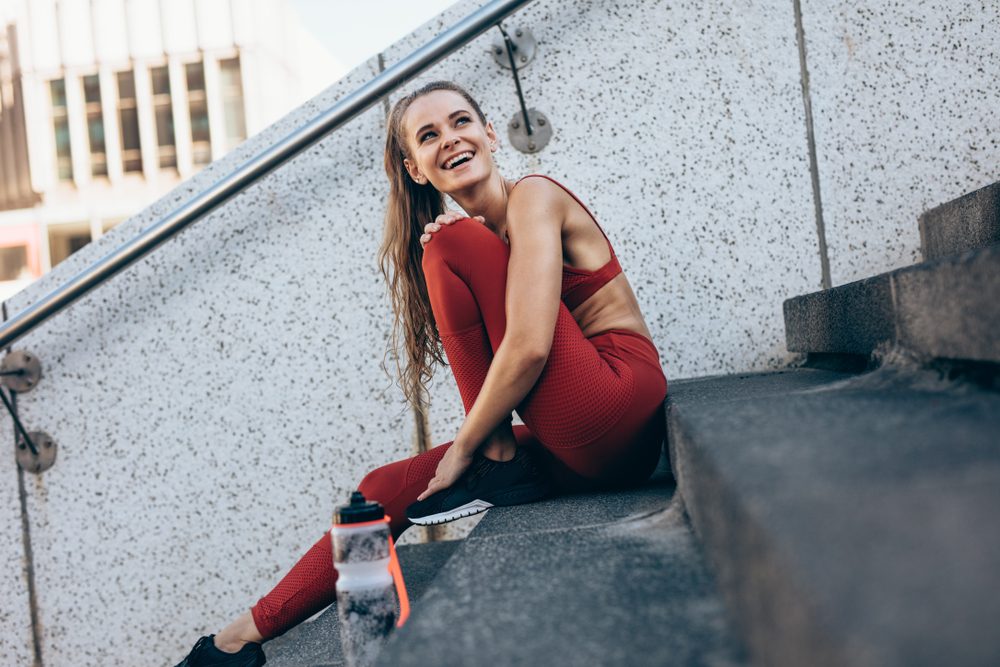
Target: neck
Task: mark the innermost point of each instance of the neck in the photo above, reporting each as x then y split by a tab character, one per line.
488	199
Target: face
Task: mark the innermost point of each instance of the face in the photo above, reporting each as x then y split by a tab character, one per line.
449	146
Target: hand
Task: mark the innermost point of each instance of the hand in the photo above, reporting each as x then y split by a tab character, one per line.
446	218
451	467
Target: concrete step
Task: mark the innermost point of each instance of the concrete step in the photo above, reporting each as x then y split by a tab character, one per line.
967	223
595	579
947	309
851	520
316	643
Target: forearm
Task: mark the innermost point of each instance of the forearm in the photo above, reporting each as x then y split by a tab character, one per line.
511	375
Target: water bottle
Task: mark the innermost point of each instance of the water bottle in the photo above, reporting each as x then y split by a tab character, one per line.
369	583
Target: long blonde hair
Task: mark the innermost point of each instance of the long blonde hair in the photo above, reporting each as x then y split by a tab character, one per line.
409	208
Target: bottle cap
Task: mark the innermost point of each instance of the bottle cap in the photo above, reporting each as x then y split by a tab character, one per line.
358	511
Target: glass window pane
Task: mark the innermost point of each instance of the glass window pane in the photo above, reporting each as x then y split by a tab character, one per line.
161	80
64	163
195	76
57	88
14	263
199	121
91	89
126	86
95	127
128	122
232	101
164	126
128	119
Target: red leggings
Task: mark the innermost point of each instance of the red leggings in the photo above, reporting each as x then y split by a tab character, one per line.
595	416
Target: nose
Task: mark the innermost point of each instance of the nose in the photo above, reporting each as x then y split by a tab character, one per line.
450	142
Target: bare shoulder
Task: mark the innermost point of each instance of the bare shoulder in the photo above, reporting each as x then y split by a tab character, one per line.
534	195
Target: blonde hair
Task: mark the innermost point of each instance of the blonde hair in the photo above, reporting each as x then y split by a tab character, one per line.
409	208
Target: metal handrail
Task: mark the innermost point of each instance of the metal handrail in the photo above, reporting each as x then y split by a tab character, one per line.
259	166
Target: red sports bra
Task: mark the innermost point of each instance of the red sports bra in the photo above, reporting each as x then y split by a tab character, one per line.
578	285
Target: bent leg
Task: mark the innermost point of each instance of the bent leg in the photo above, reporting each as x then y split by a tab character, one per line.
579	395
310	585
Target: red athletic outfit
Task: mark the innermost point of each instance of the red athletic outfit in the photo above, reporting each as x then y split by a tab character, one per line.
595	416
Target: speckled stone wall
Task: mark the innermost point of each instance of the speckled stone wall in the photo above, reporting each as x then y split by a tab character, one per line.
906	108
15	614
215	401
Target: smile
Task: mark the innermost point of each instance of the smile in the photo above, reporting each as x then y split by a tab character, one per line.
456	160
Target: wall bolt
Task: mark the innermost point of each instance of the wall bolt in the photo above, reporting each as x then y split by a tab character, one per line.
518	32
524	59
515	125
531	146
541	121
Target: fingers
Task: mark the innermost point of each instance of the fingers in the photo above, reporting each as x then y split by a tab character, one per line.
446	218
432	487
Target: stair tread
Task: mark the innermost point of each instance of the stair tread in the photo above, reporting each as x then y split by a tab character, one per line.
316	643
851	516
609	579
972	221
946	308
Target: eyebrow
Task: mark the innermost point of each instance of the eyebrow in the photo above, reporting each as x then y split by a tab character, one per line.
451	115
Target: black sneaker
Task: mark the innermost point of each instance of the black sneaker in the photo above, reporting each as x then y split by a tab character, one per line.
204	654
485	484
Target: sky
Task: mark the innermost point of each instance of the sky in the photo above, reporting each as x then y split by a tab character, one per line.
353	30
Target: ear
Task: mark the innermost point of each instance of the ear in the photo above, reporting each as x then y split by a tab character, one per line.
414	171
491	134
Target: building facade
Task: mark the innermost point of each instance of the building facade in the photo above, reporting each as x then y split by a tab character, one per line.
109	104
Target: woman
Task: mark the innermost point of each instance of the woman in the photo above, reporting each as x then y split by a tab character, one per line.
530	305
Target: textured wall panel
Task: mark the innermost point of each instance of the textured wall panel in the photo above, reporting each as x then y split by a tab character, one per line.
906	106
15	617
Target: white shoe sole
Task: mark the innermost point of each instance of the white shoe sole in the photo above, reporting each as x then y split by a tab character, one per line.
468	509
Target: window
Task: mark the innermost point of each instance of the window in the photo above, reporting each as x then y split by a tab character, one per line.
14	263
95	125
60	121
128	122
232	102
201	147
164	117
65	239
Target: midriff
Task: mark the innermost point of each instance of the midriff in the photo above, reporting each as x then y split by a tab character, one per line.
614	306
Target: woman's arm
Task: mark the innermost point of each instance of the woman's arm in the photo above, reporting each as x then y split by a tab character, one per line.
535	215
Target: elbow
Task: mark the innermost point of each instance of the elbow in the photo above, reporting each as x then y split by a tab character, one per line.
534	357
528	354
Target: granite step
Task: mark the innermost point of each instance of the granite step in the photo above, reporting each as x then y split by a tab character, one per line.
944	309
850	519
591	579
968	223
316	643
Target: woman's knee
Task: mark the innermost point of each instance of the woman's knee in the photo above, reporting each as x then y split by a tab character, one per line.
463	239
381	484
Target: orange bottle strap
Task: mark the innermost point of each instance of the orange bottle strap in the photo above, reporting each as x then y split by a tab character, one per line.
397	577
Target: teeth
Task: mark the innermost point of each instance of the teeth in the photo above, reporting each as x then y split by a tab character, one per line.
461	156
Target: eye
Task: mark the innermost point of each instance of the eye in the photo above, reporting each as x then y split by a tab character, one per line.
426	135
462	120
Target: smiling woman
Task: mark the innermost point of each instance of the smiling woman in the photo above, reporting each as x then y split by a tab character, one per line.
587	382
